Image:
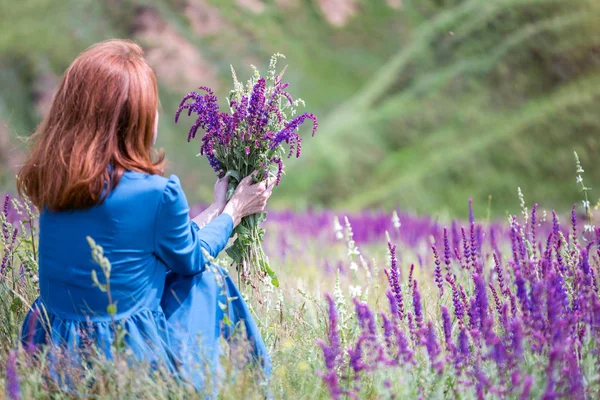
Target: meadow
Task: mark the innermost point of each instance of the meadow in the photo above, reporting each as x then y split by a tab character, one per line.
371	305
422	105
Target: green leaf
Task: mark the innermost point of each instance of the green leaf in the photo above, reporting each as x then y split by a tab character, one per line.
270	272
250	220
230	193
119	343
234	252
226	320
241	230
261	217
16	304
234	174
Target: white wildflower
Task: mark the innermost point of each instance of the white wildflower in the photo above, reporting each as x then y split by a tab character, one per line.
364	264
237	86
355	291
524	209
256	72
365	296
586	204
579	167
544	217
353	266
588	228
337	228
579	179
273	65
396	220
299	103
352	249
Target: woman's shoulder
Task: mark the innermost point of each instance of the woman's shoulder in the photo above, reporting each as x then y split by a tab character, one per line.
156	184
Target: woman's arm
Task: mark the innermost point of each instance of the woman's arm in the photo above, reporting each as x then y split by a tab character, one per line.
181	244
217	206
207	215
248	199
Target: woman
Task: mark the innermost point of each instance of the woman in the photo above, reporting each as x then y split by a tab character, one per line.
93	172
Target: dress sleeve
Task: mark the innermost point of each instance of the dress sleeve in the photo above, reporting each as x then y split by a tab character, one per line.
178	241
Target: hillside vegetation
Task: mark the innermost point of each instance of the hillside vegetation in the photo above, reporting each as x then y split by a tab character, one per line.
422	104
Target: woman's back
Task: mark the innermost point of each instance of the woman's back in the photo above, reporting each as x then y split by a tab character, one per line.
124	226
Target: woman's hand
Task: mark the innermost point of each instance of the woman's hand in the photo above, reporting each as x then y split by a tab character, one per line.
220	194
249	198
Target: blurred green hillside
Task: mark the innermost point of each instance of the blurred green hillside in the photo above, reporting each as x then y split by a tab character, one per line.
422	104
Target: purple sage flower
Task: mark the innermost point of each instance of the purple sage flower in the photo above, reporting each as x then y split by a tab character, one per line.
13	385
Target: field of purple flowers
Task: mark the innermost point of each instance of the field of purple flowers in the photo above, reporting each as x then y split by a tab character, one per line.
380	305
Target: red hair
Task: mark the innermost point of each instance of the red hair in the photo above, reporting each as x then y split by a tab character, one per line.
103	113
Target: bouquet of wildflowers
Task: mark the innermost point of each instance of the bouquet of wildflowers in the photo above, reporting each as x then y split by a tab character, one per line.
256	134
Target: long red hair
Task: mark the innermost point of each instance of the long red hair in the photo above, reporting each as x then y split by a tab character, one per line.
103	113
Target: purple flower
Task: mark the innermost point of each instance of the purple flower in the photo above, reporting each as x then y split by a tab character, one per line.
574	375
388	332
241	111
288	133
393	304
456	301
5	219
32	326
8	252
447	325
438	271
355	358
394	280
256	112
455	235
533	229
473	312
496	299
463	297
471	215
463	344
447	253
433	348
527	382
417	306
499	274
574	223
516	339
466	248
473	248
482	301
279	163
332	352
365	317
584	260
13	386
594	281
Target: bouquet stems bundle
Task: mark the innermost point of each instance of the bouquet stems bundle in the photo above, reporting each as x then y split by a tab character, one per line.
257	133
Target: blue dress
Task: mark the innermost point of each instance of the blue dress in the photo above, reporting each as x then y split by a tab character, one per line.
171	306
